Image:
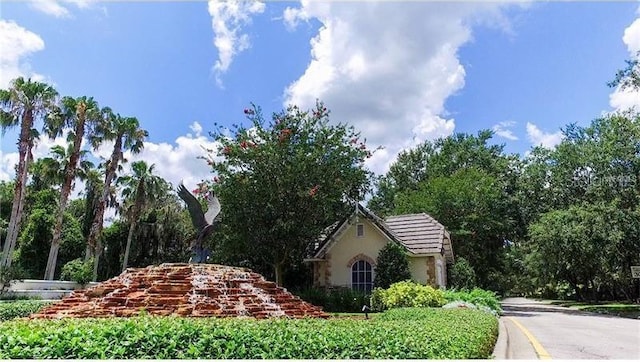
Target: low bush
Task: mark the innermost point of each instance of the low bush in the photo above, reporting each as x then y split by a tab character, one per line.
400	333
406	294
12	296
7	274
20	308
392	265
78	270
339	300
462	274
476	296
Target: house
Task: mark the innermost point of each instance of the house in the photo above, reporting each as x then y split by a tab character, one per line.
347	255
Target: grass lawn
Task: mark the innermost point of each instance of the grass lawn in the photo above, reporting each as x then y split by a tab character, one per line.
416	333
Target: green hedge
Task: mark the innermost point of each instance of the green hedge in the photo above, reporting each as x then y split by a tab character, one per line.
20	308
477	296
410	333
406	294
344	300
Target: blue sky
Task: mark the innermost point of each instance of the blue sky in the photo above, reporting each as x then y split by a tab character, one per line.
399	72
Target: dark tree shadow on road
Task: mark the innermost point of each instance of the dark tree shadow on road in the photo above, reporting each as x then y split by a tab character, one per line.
531	311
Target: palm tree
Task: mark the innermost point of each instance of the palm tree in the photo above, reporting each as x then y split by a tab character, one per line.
92	192
23	103
126	134
139	188
46	172
77	113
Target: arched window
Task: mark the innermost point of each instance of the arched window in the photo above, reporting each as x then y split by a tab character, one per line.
361	276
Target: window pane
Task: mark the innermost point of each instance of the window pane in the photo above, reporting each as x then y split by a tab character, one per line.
362	276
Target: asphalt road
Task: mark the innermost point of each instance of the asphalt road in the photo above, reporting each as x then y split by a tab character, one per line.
532	329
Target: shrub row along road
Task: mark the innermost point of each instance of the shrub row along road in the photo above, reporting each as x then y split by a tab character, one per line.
538	330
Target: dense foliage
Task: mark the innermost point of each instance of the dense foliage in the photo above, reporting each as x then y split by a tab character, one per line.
20	308
423	334
466	184
392	265
462	275
341	300
78	270
406	294
562	222
288	179
583	211
476	296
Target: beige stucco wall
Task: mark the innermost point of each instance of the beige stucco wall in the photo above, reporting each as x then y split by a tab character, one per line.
336	269
349	246
418	268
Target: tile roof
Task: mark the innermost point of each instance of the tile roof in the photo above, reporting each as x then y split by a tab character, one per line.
419	233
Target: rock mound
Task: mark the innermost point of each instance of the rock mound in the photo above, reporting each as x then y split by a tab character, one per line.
189	290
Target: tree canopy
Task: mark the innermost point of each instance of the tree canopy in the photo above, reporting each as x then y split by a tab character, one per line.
557	222
281	183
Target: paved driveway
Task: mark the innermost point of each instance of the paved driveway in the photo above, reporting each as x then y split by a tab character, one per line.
532	329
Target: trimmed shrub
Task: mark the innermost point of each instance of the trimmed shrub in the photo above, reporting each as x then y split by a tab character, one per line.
78	271
477	297
7	274
462	275
339	300
400	333
20	308
407	294
392	265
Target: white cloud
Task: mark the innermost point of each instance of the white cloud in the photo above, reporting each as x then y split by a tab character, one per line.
628	98
17	43
82	4
228	17
8	162
178	160
631	37
196	128
56	9
502	130
540	138
386	67
50	7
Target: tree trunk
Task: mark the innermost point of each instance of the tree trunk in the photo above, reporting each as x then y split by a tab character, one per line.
96	227
24	148
57	230
128	247
96	259
135	214
69	176
279	274
14	223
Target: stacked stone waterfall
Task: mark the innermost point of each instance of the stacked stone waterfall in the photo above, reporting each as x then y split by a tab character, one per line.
188	290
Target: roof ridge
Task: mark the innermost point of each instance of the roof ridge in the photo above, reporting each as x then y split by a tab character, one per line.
412	214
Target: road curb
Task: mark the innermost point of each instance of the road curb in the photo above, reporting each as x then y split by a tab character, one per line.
502	344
